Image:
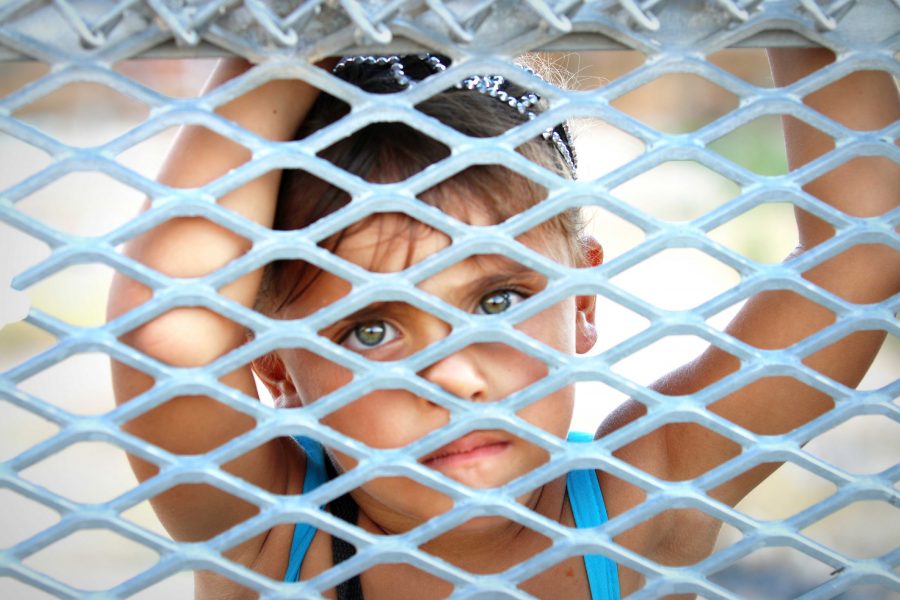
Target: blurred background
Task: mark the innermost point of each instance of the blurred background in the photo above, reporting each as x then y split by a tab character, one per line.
85	203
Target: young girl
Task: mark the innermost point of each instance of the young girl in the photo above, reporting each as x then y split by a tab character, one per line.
473	372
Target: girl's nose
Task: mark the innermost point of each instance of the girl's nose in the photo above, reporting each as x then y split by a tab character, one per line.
458	374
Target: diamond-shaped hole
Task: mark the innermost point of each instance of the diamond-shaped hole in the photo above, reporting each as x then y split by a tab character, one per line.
529	543
856	80
88	472
197	512
203	232
750	64
788	491
194	178
704	531
788	573
809	308
20	160
173	77
865	529
76	294
684	471
865	444
93	559
615	324
385	152
602	148
145	157
293	289
615	234
594	401
454	196
677	191
766	233
677	102
90	396
84	114
143	514
874	168
757	146
20	430
660	357
678	278
83	203
728	536
194	413
30	518
876	254
172	336
589	70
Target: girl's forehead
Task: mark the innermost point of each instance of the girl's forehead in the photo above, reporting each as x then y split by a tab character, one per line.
387	243
390	242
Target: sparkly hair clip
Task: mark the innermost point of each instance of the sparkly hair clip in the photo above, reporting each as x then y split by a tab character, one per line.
495	86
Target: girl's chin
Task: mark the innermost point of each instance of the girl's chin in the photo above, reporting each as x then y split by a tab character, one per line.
429	504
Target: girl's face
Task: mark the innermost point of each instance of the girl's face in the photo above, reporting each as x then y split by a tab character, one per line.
483	372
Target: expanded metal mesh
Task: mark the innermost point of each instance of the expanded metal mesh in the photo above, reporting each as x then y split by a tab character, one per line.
81	40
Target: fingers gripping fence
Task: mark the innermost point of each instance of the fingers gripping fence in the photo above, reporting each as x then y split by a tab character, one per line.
81	40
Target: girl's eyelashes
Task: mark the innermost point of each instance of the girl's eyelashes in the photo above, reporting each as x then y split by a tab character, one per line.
369	335
498	301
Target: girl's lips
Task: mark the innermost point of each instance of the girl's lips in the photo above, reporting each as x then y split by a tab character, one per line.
471	447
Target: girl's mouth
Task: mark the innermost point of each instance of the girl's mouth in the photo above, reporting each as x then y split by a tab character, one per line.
469	448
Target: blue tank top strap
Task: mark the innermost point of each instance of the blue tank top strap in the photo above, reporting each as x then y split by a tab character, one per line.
589	510
315	476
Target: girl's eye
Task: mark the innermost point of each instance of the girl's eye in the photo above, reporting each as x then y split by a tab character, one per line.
498	302
368	335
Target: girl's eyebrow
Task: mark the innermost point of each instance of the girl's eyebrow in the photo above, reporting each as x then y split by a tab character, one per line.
370	312
501	272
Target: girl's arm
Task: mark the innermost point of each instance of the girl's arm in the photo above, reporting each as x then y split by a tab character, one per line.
188	337
778	319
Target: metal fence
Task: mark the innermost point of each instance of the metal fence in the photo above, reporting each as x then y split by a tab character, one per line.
82	40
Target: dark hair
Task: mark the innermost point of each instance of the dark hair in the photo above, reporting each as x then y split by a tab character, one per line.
389	152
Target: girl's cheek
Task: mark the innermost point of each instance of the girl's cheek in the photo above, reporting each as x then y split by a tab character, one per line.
553	326
387	419
318	377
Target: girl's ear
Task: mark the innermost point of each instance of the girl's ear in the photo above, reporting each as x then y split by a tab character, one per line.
271	371
585	329
585	306
591	251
